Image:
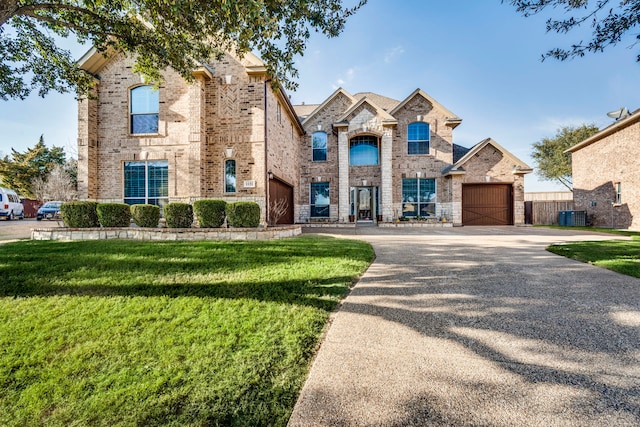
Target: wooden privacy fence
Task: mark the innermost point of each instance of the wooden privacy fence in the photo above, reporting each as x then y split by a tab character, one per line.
545	212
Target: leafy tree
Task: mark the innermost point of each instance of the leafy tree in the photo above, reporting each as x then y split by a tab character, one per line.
19	170
611	21
162	33
552	163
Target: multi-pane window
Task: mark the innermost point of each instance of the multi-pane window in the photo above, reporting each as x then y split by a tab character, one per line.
146	182
320	199
419	197
319	146
418	138
363	151
230	176
618	193
144	107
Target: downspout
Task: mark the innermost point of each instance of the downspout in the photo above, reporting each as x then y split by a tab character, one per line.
266	170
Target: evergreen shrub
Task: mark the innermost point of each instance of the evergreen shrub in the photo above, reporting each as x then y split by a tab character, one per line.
178	215
243	214
114	214
82	214
147	216
210	213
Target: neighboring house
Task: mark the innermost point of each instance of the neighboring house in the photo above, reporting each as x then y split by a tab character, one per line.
369	158
606	180
230	135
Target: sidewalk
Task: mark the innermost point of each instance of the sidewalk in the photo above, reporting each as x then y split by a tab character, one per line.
479	326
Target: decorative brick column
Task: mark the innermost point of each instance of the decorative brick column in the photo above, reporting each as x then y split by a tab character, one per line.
343	175
197	137
386	162
518	199
88	147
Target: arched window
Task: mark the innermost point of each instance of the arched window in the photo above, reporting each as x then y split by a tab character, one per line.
418	138
144	106
363	151
319	148
230	176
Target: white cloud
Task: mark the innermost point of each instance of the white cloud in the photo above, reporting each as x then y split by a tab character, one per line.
391	54
345	78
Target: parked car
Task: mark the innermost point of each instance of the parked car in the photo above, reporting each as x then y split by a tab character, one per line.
10	205
50	210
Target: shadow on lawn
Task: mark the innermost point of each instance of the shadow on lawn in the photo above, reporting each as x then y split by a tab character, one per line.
291	271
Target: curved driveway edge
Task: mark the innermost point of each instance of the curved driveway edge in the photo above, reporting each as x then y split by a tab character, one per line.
478	326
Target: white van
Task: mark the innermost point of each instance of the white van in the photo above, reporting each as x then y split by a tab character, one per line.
10	205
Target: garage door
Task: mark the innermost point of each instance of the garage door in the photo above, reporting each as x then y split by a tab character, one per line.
487	204
281	201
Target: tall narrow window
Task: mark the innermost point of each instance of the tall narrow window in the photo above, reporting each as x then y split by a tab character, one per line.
144	106
146	182
320	200
230	176
418	138
419	197
363	151
618	193
319	146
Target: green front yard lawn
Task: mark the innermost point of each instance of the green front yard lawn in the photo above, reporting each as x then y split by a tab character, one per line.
126	333
622	256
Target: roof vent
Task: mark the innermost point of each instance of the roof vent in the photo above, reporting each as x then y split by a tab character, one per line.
619	114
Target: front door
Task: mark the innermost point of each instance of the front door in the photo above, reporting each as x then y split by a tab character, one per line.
364	204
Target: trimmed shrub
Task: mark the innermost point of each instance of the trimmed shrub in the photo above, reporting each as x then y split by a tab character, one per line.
147	216
210	213
80	214
114	214
243	214
178	215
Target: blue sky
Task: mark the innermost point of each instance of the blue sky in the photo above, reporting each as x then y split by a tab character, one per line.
480	59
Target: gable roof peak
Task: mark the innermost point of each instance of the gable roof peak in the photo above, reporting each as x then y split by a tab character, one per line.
519	167
384	102
365	100
452	120
334	95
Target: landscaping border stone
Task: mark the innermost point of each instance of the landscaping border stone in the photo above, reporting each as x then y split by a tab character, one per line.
165	234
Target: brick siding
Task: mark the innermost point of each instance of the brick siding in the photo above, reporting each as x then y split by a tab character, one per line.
598	167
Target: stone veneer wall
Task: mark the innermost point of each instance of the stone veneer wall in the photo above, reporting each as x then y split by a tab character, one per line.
166	234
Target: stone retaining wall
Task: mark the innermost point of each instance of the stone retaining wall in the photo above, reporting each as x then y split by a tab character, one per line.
408	224
169	234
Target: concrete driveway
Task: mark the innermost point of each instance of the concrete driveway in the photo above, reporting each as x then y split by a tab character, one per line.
478	326
21	229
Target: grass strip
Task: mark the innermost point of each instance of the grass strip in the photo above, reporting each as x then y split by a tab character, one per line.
622	256
124	333
616	231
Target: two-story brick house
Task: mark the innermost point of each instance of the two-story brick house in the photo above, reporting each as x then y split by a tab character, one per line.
369	158
229	134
